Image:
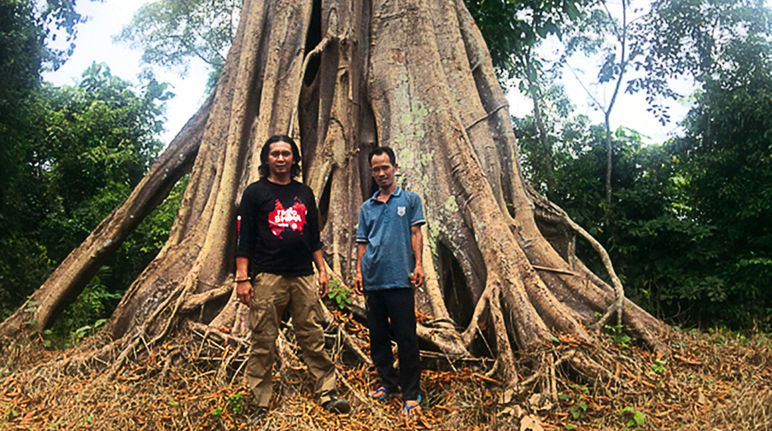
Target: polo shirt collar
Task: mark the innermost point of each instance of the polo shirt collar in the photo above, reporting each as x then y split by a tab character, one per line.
395	193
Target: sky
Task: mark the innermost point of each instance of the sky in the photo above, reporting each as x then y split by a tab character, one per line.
107	18
95	43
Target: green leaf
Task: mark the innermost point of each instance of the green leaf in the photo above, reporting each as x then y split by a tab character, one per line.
99	323
172	401
578	410
571	10
551	28
639	418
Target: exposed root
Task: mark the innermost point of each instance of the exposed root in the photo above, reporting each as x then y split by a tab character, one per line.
474	328
619	291
503	346
166	367
197	300
142	330
352	343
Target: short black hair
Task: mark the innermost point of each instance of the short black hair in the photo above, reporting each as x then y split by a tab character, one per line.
377	151
264	170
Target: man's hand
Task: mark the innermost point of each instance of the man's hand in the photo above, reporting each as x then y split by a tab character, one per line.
358	283
244	292
416	243
324	284
418	276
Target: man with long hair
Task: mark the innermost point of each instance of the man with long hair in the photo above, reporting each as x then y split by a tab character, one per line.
278	242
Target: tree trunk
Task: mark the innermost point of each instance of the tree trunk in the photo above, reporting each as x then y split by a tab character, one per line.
344	76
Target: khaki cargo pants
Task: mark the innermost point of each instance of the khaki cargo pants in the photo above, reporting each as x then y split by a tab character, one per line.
272	295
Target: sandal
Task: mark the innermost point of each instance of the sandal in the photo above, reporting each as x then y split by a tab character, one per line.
406	409
379	394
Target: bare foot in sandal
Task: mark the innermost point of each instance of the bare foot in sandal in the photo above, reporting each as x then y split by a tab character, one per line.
379	394
412	407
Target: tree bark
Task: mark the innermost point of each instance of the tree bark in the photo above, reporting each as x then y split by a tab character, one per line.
344	76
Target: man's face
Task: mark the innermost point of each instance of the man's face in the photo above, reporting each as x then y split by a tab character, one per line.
280	158
382	170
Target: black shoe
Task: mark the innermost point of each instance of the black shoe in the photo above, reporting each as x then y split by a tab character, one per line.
257	415
337	405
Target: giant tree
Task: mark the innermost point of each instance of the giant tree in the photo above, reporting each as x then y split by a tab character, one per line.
344	76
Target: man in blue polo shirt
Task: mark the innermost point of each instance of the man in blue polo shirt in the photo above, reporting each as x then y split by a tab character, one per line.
389	267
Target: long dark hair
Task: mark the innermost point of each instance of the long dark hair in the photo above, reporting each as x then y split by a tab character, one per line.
264	170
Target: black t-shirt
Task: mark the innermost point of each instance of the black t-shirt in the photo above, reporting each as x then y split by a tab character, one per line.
279	228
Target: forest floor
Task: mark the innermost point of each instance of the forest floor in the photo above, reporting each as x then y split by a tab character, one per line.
716	380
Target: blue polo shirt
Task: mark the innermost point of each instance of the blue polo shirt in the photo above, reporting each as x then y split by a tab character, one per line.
385	228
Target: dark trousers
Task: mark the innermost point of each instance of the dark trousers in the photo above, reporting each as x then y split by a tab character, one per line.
392	312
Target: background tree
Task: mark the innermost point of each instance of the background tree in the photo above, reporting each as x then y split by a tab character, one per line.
68	155
512	29
690	234
653	239
603	33
725	157
80	151
550	129
723	46
679	40
172	32
24	31
662	244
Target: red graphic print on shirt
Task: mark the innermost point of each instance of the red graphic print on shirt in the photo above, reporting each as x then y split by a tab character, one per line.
293	217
